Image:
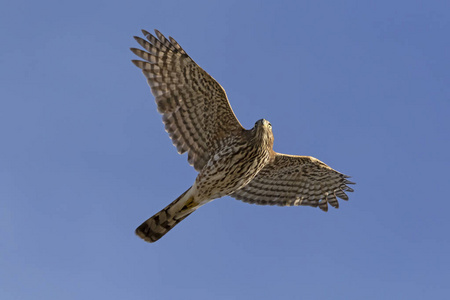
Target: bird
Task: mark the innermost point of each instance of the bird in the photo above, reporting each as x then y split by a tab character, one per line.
230	160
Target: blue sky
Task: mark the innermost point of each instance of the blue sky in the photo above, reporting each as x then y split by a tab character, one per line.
84	159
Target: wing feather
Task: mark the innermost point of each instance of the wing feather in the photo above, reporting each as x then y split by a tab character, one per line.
296	180
195	108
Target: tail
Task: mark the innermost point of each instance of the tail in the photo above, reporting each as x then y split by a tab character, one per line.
158	225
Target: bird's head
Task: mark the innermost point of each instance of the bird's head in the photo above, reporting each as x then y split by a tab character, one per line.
263	123
263	131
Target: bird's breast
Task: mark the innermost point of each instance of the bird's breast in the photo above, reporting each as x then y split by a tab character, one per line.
230	169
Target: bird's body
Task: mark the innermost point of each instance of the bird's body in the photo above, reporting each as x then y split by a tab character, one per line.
236	162
230	159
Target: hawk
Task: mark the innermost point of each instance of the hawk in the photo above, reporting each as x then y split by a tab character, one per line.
230	159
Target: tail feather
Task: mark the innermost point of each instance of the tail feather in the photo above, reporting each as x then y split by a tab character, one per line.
158	225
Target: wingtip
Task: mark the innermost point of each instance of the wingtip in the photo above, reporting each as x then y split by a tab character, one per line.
349	189
137	63
134	50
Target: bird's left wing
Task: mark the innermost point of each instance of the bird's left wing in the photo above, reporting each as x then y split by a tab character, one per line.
291	180
195	108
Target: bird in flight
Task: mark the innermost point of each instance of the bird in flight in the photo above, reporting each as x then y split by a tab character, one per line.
230	160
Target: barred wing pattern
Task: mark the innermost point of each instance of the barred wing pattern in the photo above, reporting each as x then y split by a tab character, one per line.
195	108
291	180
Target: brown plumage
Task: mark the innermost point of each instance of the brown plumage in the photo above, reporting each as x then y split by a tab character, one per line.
230	159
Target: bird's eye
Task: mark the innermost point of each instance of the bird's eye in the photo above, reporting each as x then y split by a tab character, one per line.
270	125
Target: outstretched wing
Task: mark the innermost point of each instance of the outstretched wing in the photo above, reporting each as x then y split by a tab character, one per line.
195	108
296	180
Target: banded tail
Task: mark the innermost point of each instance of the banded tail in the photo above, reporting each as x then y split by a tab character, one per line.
162	222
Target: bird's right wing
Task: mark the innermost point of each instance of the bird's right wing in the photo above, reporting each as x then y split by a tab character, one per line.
296	180
195	108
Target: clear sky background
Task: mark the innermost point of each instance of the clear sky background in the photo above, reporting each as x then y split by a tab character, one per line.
362	85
